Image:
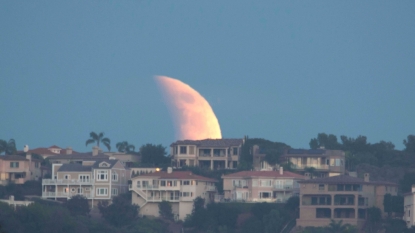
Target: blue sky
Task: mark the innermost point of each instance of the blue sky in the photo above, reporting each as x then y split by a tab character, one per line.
284	71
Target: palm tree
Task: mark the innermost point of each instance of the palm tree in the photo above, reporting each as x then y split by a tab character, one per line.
94	137
8	147
125	147
339	227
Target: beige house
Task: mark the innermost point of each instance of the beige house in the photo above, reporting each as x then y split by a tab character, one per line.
326	162
207	153
260	186
18	169
409	208
100	180
49	151
180	188
341	197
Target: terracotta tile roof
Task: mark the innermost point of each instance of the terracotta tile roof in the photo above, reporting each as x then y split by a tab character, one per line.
87	155
344	179
268	174
46	151
225	142
13	157
179	175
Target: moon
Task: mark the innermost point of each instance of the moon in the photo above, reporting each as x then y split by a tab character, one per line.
193	117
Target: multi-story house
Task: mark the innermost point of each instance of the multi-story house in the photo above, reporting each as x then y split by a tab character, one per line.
260	186
100	180
48	152
179	188
409	208
208	153
18	169
340	197
325	162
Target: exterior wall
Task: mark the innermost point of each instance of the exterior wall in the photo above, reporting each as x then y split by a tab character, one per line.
27	170
409	209
185	208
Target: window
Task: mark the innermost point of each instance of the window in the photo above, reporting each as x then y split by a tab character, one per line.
187	194
192	150
114	177
163	183
321	187
264	195
67	177
254	183
114	191
72	190
36	164
138	184
102	191
65	190
266	183
84	178
80	191
102	175
186	182
183	150
235	151
14	164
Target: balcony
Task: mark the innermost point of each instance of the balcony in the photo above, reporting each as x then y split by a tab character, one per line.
283	187
163	198
66	182
64	195
316	166
210	188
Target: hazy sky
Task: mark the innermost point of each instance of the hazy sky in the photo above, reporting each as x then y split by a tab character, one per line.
283	71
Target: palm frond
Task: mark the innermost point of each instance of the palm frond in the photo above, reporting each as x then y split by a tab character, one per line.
94	136
89	141
107	144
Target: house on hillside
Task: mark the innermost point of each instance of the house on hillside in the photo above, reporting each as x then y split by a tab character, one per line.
208	153
180	188
325	162
48	152
100	180
19	169
409	207
260	186
340	197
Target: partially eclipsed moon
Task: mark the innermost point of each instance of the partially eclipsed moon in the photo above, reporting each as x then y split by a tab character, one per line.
194	118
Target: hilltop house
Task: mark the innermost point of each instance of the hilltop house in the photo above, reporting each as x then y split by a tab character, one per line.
19	169
340	197
260	186
180	188
207	153
100	180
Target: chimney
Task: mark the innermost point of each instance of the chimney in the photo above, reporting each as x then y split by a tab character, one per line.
25	148
413	188
366	177
281	170
95	150
29	156
169	170
68	150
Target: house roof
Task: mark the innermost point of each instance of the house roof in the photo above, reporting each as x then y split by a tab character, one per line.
46	151
344	179
177	175
73	167
55	147
268	174
13	157
225	142
311	153
111	163
85	156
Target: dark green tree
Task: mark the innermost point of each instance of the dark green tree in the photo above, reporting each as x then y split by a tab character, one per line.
374	220
259	210
9	148
121	212
154	155
78	205
339	227
410	144
98	138
272	156
165	210
125	147
273	222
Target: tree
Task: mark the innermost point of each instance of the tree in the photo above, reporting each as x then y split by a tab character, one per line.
153	155
410	144
339	227
272	156
8	147
98	138
125	147
78	205
121	212
374	220
273	221
311	171
165	210
326	141
259	210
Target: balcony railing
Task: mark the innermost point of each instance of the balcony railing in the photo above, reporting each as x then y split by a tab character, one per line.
210	188
316	166
66	182
65	195
158	198
284	187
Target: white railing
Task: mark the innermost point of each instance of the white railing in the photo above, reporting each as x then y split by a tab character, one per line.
158	198
285	187
62	194
316	166
210	188
66	182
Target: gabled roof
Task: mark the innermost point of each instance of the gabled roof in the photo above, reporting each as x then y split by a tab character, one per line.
344	179
176	175
267	174
225	142
110	162
13	157
55	147
73	167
